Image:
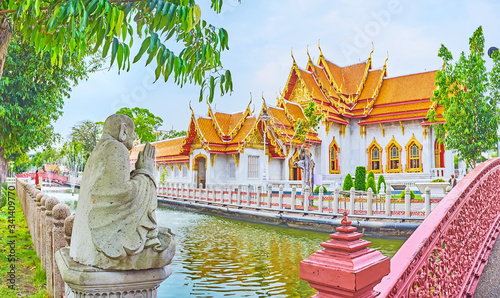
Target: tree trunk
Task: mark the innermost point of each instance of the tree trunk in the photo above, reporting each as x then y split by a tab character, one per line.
3	165
5	35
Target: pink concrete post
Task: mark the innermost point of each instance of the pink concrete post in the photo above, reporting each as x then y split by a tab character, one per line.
346	267
60	212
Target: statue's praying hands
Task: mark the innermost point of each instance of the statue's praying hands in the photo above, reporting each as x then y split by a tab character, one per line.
145	160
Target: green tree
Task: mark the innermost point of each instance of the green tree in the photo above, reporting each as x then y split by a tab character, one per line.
347	183
59	27
370	183
32	92
144	122
370	174
360	179
303	126
469	95
170	134
86	135
381	180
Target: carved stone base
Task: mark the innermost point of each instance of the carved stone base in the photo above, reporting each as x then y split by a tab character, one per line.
87	281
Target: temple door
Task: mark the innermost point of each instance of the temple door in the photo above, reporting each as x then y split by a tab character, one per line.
439	154
201	177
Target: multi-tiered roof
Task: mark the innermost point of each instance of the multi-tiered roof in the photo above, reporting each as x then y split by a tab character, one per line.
340	93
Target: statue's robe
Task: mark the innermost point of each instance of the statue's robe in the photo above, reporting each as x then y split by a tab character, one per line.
115	216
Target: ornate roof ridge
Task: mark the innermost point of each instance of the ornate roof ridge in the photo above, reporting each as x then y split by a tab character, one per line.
411	74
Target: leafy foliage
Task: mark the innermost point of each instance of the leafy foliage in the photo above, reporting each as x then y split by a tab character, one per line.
381	180
370	183
76	27
412	195
144	122
348	183
32	92
170	134
370	174
470	96
303	126
86	135
316	190
360	179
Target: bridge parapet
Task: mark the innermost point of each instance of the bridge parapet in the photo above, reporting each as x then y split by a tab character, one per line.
446	255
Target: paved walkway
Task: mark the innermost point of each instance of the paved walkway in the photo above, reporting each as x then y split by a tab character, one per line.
489	282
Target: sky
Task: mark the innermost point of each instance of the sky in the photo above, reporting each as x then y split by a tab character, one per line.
262	35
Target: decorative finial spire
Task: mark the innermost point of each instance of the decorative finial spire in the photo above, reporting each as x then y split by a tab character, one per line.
192	112
293	58
308	54
346	221
320	52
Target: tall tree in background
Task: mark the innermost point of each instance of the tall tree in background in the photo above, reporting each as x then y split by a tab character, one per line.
470	97
59	27
144	122
85	136
32	92
170	134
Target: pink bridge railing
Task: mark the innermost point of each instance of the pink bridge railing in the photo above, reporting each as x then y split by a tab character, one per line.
445	256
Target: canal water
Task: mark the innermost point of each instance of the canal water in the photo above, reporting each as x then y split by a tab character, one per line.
220	257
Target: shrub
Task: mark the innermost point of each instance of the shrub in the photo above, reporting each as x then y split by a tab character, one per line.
438	180
381	180
360	179
412	195
316	190
347	182
4	195
371	183
370	174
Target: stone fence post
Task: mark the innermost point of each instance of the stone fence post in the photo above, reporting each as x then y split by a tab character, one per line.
68	228
427	201
336	194
259	195
407	202
248	194
269	196
369	201
43	239
388	197
306	198
239	195
59	212
49	252
351	201
281	196
294	199
320	199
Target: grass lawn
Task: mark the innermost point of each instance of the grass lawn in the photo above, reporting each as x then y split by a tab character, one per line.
29	274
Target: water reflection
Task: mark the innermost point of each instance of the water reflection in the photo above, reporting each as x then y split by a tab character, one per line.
219	257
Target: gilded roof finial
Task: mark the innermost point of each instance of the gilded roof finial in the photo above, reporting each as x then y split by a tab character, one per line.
192	112
320	52
310	60
293	58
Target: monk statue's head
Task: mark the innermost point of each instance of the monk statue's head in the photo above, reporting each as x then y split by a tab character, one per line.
120	127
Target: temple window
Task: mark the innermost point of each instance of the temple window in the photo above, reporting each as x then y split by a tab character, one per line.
414	155
253	166
334	158
393	157
232	169
374	157
184	172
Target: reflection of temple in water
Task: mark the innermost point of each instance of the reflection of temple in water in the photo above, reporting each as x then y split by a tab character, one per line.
370	120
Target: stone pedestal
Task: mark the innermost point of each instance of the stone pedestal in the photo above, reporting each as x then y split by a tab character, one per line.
346	267
87	281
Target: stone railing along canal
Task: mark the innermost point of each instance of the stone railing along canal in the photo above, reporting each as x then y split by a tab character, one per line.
353	202
50	224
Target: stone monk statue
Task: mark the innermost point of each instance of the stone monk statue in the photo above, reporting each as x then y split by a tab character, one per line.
115	223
